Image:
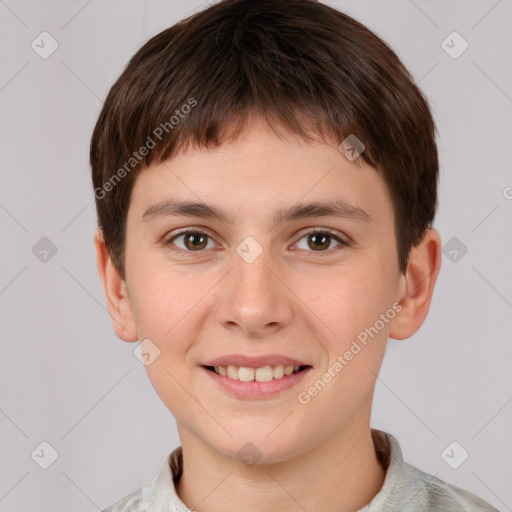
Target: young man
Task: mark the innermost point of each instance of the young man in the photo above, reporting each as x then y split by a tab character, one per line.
266	175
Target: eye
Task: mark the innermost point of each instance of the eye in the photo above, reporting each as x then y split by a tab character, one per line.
193	240
319	239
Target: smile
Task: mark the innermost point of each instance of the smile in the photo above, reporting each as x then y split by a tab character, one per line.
249	383
261	374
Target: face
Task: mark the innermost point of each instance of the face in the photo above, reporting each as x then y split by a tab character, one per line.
260	283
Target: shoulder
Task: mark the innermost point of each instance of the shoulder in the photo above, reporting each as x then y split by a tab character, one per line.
130	503
158	493
426	492
409	489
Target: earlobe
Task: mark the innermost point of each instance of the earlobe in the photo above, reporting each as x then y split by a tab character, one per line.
116	296
419	278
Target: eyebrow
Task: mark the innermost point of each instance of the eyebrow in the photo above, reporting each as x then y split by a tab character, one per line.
185	208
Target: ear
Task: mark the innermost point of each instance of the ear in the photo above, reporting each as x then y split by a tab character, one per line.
118	302
419	278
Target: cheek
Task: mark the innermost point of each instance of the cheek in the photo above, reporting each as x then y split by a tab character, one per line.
354	298
357	349
157	297
164	314
170	309
353	307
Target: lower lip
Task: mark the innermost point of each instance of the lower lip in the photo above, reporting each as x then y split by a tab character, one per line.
254	389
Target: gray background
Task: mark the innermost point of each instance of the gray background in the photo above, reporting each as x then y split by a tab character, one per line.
67	380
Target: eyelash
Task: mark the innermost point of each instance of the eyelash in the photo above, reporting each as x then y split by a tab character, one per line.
191	231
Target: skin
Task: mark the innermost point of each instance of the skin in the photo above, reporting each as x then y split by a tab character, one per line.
298	299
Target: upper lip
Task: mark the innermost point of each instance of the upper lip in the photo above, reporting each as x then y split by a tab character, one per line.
254	361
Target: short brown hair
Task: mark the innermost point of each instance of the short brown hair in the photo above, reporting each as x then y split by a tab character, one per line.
303	65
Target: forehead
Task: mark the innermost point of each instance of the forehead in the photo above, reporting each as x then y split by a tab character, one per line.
261	172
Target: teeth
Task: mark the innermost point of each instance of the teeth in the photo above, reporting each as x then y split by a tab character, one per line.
278	371
262	374
245	374
232	372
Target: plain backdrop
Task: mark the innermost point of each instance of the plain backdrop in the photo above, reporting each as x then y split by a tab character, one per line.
66	380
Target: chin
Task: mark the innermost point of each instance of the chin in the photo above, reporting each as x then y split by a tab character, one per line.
250	447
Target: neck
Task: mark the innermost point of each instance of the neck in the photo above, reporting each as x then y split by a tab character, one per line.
341	474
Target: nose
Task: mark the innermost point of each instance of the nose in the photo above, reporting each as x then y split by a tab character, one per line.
254	298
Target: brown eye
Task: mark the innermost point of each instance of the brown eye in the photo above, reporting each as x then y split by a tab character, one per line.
193	241
320	240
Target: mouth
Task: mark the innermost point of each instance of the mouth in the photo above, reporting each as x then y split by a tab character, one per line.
255	377
265	373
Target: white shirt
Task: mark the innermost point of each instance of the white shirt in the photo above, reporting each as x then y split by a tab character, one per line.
405	487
